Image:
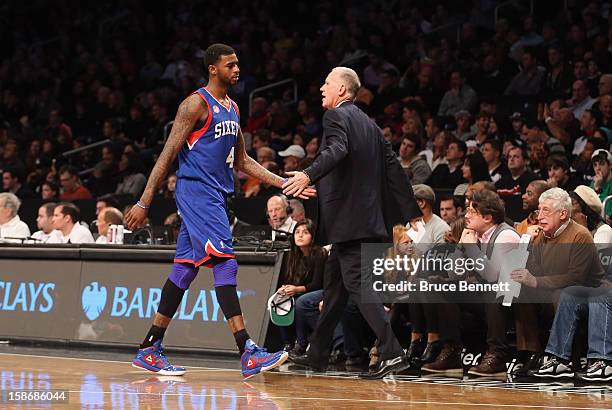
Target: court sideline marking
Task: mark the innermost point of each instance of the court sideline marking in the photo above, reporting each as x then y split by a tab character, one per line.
205	369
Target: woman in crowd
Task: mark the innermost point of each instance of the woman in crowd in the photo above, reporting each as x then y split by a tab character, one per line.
131	181
302	272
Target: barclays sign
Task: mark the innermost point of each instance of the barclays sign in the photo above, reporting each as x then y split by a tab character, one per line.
26	296
142	303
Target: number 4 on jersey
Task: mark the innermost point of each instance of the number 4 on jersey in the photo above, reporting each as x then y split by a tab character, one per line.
230	158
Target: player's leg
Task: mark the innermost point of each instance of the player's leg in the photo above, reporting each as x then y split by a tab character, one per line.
151	356
253	358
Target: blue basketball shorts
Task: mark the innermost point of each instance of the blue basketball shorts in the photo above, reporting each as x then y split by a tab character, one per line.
205	230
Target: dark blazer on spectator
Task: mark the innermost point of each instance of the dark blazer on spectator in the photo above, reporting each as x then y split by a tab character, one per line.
361	186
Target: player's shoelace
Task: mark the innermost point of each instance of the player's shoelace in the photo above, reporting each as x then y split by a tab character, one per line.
163	357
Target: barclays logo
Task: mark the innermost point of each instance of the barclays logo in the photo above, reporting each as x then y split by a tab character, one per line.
93	300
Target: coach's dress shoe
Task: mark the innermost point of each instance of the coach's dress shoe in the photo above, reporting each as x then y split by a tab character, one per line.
533	362
385	367
304	361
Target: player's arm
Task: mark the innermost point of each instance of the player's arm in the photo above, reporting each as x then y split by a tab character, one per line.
251	167
189	112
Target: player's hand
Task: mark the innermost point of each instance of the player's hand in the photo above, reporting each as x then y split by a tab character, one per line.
296	184
135	217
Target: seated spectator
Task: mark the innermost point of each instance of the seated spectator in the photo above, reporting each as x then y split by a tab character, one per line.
588	126
602	181
302	272
131	179
580	101
416	167
437	154
586	210
562	255
261	138
512	187
530	204
44	222
536	134
424	344
492	152
577	303
435	227
460	96
12	228
66	221
450	208
485	225
582	164
72	189
105	202
554	268
464	131
292	157
531	78
448	176
278	212
559	174
107	216
456	229
14	183
11	158
298	213
482	128
169	189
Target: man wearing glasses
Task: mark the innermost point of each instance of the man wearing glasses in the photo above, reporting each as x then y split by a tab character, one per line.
562	255
486	236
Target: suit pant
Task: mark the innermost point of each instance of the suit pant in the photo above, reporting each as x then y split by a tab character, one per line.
342	278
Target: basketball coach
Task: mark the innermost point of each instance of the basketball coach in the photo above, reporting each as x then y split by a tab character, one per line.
362	192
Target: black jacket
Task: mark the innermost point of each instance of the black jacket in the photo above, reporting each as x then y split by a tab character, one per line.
362	188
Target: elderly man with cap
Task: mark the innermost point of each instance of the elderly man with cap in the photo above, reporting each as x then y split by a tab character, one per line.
292	157
602	181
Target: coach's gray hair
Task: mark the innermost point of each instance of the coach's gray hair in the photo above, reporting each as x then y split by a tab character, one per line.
350	79
10	201
560	198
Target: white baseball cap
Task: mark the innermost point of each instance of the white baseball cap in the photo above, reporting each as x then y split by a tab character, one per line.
293	150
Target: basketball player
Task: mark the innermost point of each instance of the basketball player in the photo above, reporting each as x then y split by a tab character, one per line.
207	138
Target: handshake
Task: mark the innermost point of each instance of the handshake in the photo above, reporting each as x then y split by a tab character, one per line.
298	185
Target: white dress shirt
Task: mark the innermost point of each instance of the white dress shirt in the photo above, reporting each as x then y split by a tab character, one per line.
15	228
52	237
79	234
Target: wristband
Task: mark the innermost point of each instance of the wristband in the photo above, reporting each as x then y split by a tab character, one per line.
141	205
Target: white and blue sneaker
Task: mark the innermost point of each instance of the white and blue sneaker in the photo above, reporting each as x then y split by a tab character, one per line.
256	359
153	359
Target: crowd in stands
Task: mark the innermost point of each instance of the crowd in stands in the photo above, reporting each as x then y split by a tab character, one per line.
503	122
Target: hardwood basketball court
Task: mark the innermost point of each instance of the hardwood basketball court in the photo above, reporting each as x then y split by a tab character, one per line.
101	383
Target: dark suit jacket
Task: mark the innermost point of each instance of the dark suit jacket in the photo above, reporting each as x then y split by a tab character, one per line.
362	188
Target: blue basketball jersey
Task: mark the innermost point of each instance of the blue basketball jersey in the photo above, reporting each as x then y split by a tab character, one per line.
208	155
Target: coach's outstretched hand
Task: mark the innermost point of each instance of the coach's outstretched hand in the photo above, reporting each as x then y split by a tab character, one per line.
298	185
135	217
